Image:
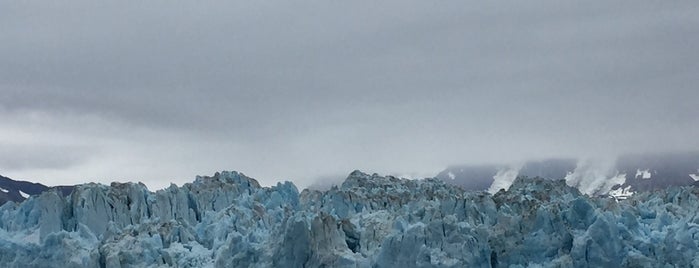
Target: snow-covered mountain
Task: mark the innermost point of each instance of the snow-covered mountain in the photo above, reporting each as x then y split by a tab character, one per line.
628	173
18	191
482	177
229	220
653	172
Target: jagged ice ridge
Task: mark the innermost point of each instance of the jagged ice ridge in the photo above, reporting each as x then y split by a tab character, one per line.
229	220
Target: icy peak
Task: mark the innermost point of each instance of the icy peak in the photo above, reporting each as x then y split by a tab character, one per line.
358	179
227	178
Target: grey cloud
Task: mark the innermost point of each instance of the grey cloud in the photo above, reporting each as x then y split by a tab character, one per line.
416	82
15	157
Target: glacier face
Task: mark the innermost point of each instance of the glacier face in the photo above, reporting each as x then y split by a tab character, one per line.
229	220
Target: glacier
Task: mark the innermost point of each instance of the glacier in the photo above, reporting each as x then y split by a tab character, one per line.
229	220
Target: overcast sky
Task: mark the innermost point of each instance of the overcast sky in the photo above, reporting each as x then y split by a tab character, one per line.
161	91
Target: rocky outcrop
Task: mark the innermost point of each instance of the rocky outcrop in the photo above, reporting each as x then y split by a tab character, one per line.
18	191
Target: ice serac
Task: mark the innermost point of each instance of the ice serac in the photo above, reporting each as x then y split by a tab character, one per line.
229	220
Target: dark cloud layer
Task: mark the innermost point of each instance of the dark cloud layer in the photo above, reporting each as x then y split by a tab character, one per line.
22	157
299	89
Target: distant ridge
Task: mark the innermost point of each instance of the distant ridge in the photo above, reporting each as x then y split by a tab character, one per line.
18	191
637	172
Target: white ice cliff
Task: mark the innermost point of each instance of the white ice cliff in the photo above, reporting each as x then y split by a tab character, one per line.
228	220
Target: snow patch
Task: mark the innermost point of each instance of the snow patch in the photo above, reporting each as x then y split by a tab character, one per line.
621	193
23	194
695	177
644	174
3	190
451	175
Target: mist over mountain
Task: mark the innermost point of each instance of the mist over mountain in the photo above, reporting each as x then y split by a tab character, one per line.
481	177
634	172
646	172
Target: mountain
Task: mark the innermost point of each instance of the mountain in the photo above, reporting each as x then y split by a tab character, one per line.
658	171
628	173
229	220
18	191
550	168
481	177
471	177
